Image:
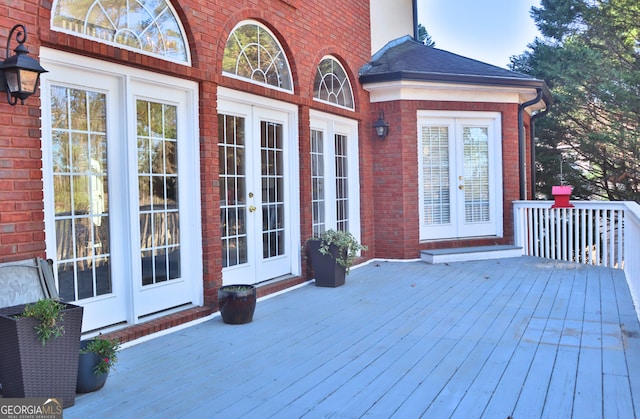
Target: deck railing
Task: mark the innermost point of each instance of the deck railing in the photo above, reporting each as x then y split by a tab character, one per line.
592	232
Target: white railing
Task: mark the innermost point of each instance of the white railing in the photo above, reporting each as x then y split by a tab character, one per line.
592	232
632	257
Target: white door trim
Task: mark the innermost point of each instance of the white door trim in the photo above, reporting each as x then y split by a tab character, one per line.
80	72
454	120
228	103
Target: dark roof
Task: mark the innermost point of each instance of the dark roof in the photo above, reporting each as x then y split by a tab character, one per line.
408	59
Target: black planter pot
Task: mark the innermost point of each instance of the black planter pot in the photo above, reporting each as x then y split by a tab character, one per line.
30	369
237	303
327	272
88	380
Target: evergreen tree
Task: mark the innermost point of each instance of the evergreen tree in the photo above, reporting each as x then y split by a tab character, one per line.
590	58
424	37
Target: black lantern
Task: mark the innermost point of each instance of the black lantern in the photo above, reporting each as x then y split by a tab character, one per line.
19	73
381	126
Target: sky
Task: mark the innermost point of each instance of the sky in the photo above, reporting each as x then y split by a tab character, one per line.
486	30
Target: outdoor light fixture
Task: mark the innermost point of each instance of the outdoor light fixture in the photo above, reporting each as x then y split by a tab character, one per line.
381	126
19	74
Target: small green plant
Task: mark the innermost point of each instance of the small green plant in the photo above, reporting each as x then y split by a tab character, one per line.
106	349
49	313
346	244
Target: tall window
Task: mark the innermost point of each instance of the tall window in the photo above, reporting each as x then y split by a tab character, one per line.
342	183
332	85
334	174
253	53
149	27
317	182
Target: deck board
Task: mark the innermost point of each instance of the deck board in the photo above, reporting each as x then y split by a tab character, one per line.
524	336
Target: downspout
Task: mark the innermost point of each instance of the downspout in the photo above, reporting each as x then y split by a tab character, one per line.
415	19
521	142
532	135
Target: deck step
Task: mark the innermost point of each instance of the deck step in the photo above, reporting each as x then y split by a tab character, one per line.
462	254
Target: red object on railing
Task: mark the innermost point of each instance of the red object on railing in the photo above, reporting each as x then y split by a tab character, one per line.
561	194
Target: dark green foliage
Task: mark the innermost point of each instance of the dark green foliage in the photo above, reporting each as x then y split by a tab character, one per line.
590	58
48	313
106	350
424	37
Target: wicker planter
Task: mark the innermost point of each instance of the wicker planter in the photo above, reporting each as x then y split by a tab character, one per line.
327	272
237	303
30	369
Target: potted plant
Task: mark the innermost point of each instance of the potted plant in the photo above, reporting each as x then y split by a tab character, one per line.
237	303
39	350
332	255
97	357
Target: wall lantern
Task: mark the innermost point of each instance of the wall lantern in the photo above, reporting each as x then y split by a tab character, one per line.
381	126
19	74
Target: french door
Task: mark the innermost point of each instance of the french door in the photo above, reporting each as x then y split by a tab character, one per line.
460	175
256	200
120	168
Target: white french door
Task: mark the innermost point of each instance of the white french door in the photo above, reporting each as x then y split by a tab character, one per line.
121	167
460	168
257	204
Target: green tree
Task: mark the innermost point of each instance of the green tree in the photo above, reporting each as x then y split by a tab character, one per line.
590	58
424	37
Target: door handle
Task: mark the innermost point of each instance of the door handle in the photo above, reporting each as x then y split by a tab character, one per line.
461	187
252	208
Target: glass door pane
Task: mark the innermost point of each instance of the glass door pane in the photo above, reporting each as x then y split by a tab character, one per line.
435	167
476	174
79	148
233	208
158	191
271	147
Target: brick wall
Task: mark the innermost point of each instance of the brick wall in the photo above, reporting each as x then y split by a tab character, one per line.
307	30
395	173
21	207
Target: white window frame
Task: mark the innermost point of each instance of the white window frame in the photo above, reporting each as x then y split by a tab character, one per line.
331	125
281	50
346	82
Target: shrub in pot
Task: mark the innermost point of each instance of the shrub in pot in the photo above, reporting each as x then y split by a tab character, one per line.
97	358
237	303
332	255
39	350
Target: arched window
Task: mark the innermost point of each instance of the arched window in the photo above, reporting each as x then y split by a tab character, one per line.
147	26
332	85
253	53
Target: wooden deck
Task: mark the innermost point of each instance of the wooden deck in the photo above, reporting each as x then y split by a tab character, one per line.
521	337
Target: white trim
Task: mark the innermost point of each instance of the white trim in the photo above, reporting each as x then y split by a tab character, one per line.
450	92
